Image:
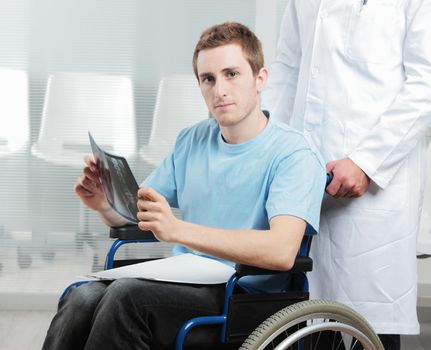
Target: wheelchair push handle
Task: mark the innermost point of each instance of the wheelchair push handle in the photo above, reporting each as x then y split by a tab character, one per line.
329	177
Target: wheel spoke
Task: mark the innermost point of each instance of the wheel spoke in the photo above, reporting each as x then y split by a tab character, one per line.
354	345
340	342
333	341
317	341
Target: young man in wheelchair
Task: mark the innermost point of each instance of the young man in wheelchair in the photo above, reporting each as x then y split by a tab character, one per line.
246	188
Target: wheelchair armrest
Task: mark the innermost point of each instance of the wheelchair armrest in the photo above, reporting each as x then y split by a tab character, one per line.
302	264
129	232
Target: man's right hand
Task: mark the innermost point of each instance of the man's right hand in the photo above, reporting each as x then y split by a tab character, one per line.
89	188
348	181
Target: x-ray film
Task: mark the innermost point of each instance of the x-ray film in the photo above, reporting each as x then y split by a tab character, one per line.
119	184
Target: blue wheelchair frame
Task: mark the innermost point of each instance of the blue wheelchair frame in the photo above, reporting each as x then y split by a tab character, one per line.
132	234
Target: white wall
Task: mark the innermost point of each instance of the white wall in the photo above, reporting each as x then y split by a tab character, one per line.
46	239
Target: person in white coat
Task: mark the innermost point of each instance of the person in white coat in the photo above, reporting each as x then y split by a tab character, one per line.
355	76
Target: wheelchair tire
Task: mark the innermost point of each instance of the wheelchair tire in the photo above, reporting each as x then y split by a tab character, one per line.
328	315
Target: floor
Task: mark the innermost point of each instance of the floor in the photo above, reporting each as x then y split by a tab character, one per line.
421	342
23	330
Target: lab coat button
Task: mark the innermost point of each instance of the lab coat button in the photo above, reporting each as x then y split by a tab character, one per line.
309	127
314	72
323	15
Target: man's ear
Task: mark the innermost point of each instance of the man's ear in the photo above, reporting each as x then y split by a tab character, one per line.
261	79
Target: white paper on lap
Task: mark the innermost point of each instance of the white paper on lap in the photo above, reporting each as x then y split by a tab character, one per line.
184	268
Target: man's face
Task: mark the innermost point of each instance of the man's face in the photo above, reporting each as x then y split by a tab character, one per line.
228	85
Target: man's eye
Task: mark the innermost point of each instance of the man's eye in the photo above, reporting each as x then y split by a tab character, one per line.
232	74
208	79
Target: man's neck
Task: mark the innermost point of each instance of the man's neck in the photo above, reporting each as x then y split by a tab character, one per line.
245	130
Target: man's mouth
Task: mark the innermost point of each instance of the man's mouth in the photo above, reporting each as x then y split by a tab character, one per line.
224	104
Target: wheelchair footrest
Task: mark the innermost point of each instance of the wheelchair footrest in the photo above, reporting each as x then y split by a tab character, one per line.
247	311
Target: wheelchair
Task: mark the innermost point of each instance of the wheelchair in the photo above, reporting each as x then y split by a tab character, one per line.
285	320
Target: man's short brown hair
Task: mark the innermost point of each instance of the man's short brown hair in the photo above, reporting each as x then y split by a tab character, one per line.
231	33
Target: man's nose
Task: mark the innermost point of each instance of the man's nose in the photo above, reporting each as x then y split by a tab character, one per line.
220	88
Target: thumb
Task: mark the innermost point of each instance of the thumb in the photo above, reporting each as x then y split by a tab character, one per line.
150	194
330	166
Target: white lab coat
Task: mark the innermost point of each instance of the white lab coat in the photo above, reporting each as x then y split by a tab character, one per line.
357	80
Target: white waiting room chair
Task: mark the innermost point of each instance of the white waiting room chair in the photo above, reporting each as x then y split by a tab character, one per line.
76	103
179	104
14	122
14	143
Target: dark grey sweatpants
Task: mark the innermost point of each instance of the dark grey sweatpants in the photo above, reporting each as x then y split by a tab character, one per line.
133	314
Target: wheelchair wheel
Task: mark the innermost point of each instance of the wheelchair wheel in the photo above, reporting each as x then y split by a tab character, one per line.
314	324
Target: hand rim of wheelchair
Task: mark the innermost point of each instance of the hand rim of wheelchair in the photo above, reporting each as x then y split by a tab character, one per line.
345	318
326	326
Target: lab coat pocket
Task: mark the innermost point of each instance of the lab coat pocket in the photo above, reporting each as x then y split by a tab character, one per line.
375	33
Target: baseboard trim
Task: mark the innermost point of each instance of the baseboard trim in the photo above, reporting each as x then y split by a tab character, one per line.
28	301
424	314
424	295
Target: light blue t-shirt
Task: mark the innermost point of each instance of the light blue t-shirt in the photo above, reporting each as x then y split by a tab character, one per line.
242	186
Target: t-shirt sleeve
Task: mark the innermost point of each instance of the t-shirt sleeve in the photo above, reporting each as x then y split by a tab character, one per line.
162	179
297	188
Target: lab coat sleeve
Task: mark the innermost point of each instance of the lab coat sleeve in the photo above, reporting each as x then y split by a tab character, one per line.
382	151
279	95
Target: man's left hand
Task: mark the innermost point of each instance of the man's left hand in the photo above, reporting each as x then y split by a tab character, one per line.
349	180
155	214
